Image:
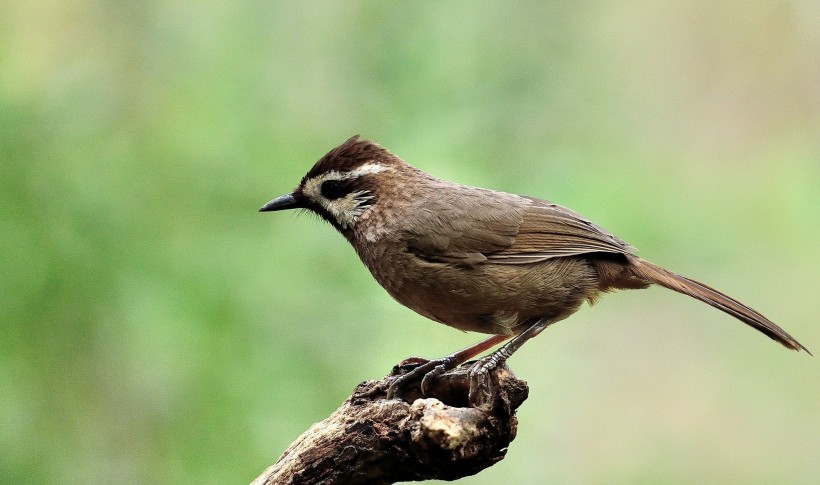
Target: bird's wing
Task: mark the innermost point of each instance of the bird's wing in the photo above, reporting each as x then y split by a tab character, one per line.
463	227
482	226
549	231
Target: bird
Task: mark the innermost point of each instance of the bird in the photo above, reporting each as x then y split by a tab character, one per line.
477	259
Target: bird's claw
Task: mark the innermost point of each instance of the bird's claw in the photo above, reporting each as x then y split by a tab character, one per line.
480	388
426	371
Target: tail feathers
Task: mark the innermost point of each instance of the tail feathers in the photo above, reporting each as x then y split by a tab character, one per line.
656	274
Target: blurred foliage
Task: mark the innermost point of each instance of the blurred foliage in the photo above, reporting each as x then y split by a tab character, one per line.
156	329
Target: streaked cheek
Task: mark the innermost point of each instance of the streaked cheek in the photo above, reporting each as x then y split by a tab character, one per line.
344	210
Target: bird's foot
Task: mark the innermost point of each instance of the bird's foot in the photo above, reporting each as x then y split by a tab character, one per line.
407	386
426	370
481	389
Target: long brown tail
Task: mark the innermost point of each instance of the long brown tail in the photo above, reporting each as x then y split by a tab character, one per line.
656	274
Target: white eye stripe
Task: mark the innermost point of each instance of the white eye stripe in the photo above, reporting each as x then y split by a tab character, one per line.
313	186
366	169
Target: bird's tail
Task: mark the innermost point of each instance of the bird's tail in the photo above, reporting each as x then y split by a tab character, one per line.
656	274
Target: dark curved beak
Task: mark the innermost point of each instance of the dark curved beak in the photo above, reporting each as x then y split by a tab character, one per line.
287	201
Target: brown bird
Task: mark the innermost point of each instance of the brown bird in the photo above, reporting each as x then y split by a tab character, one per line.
478	259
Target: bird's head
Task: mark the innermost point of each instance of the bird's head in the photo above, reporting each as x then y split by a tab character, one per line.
344	184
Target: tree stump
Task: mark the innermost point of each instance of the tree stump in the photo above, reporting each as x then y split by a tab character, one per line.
374	440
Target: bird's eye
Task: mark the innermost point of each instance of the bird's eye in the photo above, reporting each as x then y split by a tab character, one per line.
334	189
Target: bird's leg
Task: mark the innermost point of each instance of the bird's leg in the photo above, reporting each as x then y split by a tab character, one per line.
480	370
430	369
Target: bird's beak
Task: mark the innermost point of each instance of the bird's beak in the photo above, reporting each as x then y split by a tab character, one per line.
288	201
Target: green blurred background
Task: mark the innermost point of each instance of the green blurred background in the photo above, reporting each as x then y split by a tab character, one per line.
157	329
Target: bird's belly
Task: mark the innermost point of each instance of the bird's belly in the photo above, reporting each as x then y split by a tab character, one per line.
494	298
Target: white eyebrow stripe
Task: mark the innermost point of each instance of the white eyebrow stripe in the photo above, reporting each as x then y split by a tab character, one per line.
366	169
312	185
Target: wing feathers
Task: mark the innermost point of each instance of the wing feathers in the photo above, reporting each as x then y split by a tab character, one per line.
551	231
495	227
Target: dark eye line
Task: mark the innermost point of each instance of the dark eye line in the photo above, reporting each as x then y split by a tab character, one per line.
335	189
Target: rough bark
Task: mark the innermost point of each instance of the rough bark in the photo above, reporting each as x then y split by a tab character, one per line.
374	440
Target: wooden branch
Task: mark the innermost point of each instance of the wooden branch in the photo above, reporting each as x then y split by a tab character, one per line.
373	440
